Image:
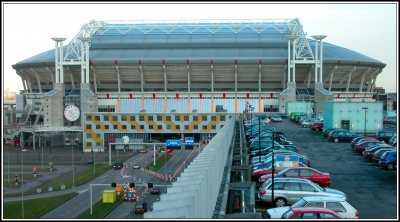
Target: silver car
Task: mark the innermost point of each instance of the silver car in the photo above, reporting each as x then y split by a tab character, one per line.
338	205
291	190
307	123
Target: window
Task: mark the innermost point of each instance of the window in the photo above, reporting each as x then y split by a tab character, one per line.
106	127
292	173
306	173
168	127
277	186
213	127
213	118
168	118
177	127
196	127
88	144
123	126
222	126
204	127
186	127
133	127
222	118
88	135
159	118
177	118
88	118
88	126
115	126
123	118
310	216
315	204
186	118
132	118
307	187
195	118
115	118
292	186
204	118
159	127
150	118
150	126
98	135
97	118
141	126
335	206
141	118
98	127
106	118
327	216
98	145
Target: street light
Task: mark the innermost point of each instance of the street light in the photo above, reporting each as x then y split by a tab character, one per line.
273	163
365	120
22	182
251	119
73	167
259	139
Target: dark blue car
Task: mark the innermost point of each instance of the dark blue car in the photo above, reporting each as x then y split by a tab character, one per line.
388	160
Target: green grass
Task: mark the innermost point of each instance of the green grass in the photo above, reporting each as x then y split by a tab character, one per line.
100	209
33	208
160	162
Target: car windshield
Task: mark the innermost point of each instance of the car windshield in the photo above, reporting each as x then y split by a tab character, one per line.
300	203
287	214
265	184
138	206
283	172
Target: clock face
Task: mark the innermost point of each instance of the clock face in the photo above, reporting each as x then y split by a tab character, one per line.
71	113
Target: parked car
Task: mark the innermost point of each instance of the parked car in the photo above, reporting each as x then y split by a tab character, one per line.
317	126
386	120
361	146
307	123
325	132
393	141
276	118
118	165
291	190
140	207
155	190
256	174
377	155
303	118
361	138
338	205
322	179
89	162
263	143
369	152
341	135
310	213
385	135
136	166
388	160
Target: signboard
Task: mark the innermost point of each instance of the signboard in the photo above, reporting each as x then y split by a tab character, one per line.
189	141
287	161
173	143
129	196
72	113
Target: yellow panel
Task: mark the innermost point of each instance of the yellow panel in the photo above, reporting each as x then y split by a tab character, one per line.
134	123
94	138
217	120
119	125
98	122
173	126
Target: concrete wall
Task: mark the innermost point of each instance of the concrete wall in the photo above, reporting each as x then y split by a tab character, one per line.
298	107
335	112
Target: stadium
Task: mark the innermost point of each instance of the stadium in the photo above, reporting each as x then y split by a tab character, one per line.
170	79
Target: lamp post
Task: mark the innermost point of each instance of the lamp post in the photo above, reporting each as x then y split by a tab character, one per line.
365	120
42	142
165	166
22	182
259	140
8	160
73	167
273	163
251	124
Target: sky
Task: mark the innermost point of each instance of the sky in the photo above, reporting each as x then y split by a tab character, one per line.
368	28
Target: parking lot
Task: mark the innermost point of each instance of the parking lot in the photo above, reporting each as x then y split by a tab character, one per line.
369	188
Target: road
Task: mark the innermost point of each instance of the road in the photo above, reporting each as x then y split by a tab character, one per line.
72	208
369	189
125	209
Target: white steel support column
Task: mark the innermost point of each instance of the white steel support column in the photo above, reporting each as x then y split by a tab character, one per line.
51	74
362	79
348	82
188	73
95	79
82	67
59	52
23	83
331	77
294	61
87	61
259	80
72	77
291	61
235	80
39	83
316	62
212	81
320	62
289	64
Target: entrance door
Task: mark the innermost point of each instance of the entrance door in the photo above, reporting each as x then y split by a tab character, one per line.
345	124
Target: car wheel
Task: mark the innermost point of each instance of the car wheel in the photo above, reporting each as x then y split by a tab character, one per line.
336	140
390	166
280	202
316	129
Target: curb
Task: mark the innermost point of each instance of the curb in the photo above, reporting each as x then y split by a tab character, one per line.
112	210
76	194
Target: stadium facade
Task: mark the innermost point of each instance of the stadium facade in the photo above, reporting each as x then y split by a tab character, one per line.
185	67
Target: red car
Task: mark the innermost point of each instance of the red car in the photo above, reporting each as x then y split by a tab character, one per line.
361	146
317	126
155	190
322	179
260	172
310	213
353	143
386	121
